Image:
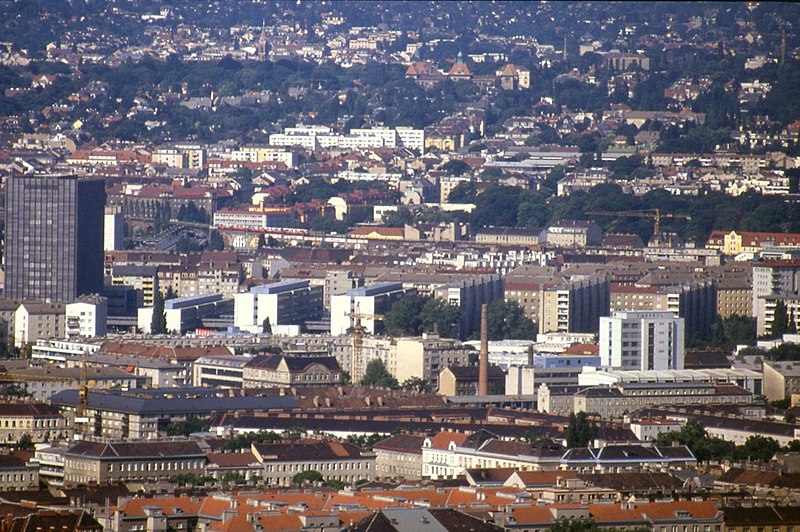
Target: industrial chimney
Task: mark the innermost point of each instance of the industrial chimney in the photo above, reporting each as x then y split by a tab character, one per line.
483	360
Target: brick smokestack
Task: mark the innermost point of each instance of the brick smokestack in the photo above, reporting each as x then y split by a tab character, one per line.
483	360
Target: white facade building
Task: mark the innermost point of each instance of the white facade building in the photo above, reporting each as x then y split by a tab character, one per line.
642	340
285	303
371	303
87	317
113	230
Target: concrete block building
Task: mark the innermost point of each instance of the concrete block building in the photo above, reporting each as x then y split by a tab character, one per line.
642	340
284	303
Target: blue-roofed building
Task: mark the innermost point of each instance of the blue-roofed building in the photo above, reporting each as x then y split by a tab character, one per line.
370	302
286	304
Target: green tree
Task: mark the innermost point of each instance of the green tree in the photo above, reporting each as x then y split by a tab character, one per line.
757	448
438	314
464	192
215	242
25	443
416	384
780	321
266	327
507	321
366	441
580	431
573	525
187	427
727	333
405	317
378	376
703	447
307	477
243	441
158	323
456	167
262	243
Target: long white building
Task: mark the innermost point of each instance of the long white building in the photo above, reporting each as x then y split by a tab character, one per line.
286	303
642	339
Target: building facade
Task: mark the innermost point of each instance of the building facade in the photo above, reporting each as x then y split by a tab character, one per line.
284	303
642	340
54	237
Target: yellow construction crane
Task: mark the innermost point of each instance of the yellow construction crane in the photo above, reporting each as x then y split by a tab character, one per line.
358	341
655	214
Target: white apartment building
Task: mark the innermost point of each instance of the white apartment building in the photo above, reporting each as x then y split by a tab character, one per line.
35	321
774	280
371	303
87	317
262	154
316	137
284	303
642	340
113	229
253	220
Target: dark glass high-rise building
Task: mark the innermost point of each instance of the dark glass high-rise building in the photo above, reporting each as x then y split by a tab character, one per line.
54	237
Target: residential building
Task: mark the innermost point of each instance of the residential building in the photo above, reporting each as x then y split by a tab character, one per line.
53	237
115	462
572	234
16	474
219	371
781	379
368	304
262	154
463	380
222	466
573	306
143	414
424	357
736	242
38	321
113	229
735	296
281	304
255	218
774	280
469	295
399	456
750	380
622	399
660	515
144	279
87	316
694	301
339	282
40	421
335	460
508	236
269	371
41	382
450	454
642	340
186	313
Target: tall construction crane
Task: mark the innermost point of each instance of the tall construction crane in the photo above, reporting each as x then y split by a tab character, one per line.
358	341
655	214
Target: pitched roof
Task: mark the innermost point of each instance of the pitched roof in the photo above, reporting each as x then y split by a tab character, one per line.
407	443
144	449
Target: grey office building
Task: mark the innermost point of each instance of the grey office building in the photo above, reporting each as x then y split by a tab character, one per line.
54	237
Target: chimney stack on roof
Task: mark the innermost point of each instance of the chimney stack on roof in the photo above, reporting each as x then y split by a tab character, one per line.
483	361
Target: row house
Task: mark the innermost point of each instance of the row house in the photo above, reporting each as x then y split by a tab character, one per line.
450	454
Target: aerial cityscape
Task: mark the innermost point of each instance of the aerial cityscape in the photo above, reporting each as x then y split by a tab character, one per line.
399	266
